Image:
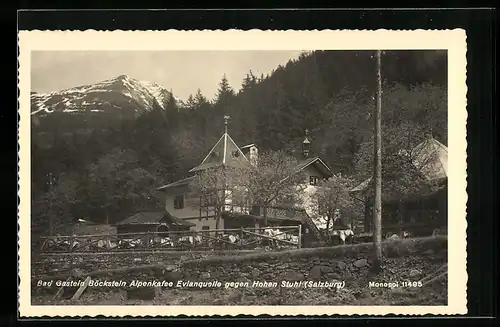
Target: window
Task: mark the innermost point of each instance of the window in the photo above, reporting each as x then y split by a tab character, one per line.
179	202
205	228
255	210
210	200
313	180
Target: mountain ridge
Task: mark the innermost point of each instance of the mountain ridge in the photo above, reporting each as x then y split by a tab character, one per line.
122	93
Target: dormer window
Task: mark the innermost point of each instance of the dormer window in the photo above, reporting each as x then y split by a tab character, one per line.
313	180
179	202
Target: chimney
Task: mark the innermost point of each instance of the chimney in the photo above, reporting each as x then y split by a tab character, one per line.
253	156
251	152
306	145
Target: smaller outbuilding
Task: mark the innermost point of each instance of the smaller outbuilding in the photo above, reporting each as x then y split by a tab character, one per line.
143	222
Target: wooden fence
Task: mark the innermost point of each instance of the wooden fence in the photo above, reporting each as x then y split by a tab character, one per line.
284	237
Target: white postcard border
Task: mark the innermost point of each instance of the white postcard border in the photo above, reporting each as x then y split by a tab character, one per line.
452	40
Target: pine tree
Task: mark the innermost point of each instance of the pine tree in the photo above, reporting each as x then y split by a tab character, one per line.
329	92
200	100
190	103
171	103
225	94
248	82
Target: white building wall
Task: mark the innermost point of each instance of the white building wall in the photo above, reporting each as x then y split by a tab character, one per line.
310	207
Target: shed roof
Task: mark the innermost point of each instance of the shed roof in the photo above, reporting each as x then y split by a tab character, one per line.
247	146
182	182
178	221
154	218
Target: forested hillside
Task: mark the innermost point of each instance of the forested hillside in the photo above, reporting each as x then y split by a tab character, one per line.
105	166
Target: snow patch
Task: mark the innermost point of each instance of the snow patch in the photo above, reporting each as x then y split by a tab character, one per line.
147	94
42	107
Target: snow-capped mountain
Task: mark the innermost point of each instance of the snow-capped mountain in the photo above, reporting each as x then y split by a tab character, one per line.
122	94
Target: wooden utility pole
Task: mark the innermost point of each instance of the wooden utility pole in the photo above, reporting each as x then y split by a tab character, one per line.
377	172
51	218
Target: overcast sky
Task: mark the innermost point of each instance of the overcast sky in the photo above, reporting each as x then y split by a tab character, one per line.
182	71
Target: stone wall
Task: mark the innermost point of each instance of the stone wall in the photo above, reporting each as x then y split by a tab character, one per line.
126	266
349	263
59	264
408	258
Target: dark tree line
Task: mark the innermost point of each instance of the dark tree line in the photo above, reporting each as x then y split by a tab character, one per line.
106	168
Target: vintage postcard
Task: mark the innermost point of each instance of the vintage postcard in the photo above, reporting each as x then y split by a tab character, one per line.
199	173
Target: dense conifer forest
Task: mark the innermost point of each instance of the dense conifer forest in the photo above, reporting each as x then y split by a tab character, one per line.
103	168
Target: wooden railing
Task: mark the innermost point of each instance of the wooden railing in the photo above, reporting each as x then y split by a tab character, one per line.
286	237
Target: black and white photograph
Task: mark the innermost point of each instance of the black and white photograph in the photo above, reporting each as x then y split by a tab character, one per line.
240	177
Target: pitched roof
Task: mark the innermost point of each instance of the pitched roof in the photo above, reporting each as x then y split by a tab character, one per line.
143	218
184	181
92	229
318	163
153	218
363	185
430	158
224	153
178	221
